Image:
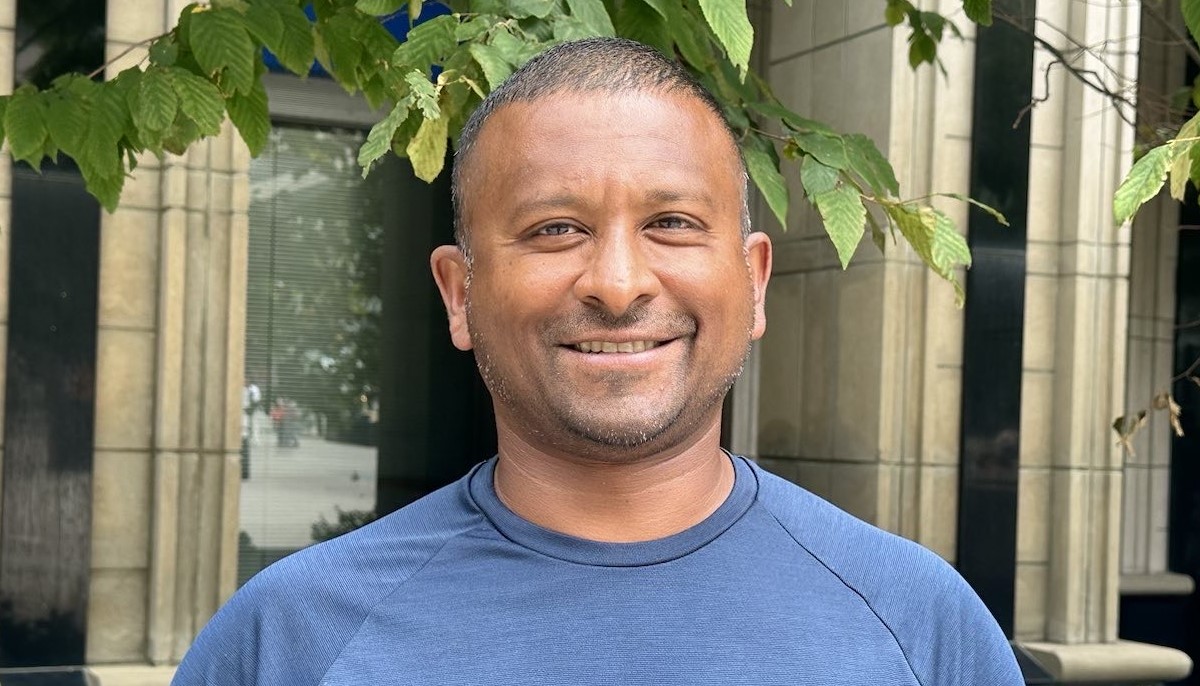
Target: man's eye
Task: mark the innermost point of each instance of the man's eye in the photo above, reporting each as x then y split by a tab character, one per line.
671	223
555	230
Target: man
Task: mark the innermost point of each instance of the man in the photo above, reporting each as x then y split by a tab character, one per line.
607	281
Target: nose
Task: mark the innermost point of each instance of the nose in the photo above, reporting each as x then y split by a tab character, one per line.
619	274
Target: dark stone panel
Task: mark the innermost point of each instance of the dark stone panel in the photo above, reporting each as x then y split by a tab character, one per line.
47	677
435	415
1183	543
1160	620
994	315
45	524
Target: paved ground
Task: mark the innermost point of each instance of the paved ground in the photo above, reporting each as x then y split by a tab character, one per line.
291	488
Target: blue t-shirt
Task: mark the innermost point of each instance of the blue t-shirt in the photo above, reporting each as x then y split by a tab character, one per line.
775	587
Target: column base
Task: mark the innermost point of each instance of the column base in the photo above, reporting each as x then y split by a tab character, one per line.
1121	662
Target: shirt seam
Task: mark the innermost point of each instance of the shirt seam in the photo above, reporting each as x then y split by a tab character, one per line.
392	591
855	591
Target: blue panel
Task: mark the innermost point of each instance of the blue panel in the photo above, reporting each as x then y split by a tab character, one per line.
396	24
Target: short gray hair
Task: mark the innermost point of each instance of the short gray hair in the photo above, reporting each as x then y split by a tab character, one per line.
607	65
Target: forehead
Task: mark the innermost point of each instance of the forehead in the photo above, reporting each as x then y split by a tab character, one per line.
664	142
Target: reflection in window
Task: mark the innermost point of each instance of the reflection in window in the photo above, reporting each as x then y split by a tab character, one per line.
311	395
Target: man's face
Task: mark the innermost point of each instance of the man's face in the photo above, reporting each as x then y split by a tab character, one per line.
611	298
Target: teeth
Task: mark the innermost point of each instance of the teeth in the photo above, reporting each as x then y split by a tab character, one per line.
611	347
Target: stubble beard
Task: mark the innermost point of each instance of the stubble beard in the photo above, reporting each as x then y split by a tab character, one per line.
556	413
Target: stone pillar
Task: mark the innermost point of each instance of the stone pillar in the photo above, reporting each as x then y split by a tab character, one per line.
169	361
1151	340
1075	328
8	24
860	382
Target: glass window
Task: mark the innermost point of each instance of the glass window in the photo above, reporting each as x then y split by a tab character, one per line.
354	401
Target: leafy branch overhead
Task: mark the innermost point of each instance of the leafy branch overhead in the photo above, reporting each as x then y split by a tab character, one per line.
210	66
1176	160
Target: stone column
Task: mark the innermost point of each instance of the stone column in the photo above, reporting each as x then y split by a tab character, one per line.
860	383
1151	340
8	24
169	377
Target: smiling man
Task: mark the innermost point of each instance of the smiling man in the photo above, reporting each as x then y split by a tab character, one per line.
607	280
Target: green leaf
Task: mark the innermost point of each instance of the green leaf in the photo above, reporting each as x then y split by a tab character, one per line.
100	158
980	11
896	11
870	164
917	225
427	150
922	50
1195	169
405	133
345	51
1182	152
996	214
661	6
817	178
156	103
379	140
792	120
468	30
948	247
25	125
67	122
1142	183
594	16
295	48
495	68
3	108
427	44
830	150
199	100
691	43
264	23
731	24
379	8
424	94
845	219
222	47
515	51
181	135
763	167
936	24
571	28
414	11
249	114
164	51
1181	169
531	8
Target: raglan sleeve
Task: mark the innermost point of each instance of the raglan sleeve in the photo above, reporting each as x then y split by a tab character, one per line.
277	629
963	645
237	646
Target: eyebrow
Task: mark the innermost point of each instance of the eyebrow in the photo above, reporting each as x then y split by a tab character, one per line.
658	195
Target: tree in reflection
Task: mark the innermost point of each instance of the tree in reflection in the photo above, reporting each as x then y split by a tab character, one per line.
313	308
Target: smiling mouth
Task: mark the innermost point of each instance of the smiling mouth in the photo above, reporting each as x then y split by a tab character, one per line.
613	347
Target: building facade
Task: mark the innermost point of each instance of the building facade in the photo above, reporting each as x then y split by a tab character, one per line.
249	354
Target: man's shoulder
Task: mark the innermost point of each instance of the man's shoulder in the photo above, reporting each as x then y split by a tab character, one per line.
840	540
385	551
937	619
293	617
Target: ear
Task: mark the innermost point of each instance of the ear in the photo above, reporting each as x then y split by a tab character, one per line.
449	267
758	259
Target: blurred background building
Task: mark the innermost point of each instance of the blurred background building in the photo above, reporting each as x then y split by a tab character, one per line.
249	355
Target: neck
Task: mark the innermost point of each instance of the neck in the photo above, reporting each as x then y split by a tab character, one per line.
617	502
